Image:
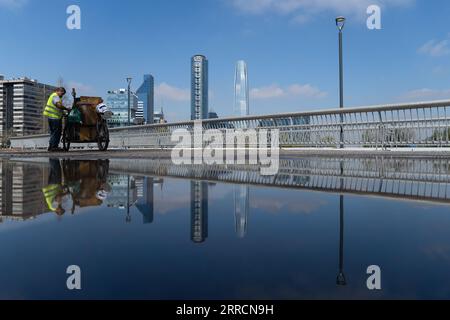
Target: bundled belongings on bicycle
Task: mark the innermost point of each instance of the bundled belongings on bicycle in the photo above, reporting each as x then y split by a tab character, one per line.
86	123
84	118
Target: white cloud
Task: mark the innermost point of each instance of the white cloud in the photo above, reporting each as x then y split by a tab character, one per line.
436	48
306	91
12	4
440	70
294	90
166	91
302	8
425	94
269	92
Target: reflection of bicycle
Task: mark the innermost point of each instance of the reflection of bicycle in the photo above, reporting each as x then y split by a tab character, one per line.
94	132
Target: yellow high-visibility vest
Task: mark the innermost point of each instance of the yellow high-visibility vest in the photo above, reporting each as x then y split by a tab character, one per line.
51	111
50	193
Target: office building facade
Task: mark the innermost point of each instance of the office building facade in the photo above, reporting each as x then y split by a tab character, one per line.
117	101
140	113
146	95
241	90
199	87
22	102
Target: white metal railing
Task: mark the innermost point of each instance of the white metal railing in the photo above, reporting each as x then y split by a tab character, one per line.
396	125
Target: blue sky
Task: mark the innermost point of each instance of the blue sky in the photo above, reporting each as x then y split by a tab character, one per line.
290	47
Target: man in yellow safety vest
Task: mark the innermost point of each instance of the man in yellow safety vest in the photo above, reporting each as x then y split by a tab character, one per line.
54	112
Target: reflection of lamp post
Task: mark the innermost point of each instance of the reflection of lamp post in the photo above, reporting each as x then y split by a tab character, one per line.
340	23
341	277
128	218
129	100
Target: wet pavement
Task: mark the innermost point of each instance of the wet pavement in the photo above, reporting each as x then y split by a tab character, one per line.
147	229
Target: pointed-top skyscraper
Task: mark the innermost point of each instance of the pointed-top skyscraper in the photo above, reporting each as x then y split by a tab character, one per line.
241	90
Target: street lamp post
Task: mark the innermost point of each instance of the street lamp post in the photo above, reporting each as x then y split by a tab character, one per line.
340	23
129	100
341	281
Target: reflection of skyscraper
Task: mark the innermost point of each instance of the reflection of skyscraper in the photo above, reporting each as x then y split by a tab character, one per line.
21	190
121	194
241	209
241	90
5	188
199	88
139	183
199	211
145	203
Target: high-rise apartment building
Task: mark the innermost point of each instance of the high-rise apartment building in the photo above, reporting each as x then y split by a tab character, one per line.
22	102
199	87
146	95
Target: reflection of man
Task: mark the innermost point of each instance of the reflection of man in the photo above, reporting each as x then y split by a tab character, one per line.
54	192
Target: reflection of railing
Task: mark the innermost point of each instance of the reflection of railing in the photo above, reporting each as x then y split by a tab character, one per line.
411	178
420	124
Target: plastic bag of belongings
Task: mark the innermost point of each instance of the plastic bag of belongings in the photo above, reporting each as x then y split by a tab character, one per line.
67	101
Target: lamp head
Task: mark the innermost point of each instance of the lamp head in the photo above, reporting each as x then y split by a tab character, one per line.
340	23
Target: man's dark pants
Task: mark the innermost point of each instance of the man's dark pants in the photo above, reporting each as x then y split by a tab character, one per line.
55	127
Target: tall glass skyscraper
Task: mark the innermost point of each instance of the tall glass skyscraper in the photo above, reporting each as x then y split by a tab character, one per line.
199	88
241	90
146	95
